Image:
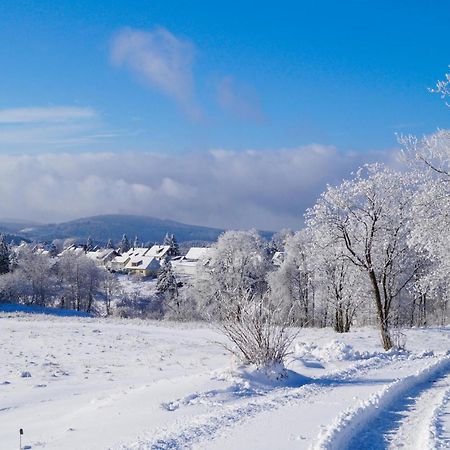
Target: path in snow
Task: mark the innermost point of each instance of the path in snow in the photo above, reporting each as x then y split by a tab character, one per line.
420	426
406	415
232	423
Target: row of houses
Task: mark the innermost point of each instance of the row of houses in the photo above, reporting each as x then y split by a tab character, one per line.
143	261
146	262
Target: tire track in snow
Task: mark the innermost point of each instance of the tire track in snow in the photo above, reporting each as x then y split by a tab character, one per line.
420	428
436	429
377	422
188	432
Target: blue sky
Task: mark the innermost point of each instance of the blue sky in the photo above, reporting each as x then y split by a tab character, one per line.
348	74
269	101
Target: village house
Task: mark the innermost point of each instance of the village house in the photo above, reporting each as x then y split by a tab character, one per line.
142	265
103	257
186	266
120	263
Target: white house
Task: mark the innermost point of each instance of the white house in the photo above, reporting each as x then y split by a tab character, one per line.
103	257
187	265
119	262
142	265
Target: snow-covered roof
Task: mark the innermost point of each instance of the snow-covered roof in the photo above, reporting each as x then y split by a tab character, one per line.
121	259
101	254
138	251
278	258
93	255
72	249
158	251
197	253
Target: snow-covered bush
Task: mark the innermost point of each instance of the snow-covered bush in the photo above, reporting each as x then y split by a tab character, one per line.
257	334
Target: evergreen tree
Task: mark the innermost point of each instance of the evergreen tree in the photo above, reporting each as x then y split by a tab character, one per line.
4	255
110	243
124	244
166	282
172	242
52	250
89	244
135	242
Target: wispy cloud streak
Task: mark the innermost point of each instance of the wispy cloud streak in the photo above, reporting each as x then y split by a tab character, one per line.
160	59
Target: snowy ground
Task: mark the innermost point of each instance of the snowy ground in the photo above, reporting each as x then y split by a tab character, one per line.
83	383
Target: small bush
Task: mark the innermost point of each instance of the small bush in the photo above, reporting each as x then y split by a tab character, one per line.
258	335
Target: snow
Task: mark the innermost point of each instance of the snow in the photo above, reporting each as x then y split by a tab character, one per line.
80	382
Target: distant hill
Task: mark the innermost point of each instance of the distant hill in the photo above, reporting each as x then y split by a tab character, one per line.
10	229
101	228
13	226
14	238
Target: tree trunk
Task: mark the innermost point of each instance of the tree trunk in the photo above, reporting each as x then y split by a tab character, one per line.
382	314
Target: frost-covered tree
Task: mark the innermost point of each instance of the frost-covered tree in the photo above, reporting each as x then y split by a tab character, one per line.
167	285
172	242
4	255
110	288
124	244
40	275
278	241
166	281
110	244
370	218
292	282
33	280
443	87
237	267
340	289
81	279
431	216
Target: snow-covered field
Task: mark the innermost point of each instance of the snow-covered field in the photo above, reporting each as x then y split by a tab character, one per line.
84	383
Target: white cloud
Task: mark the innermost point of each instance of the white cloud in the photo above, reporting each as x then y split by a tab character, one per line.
50	114
160	59
268	190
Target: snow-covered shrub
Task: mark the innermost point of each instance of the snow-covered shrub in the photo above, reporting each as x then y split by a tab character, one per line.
257	335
